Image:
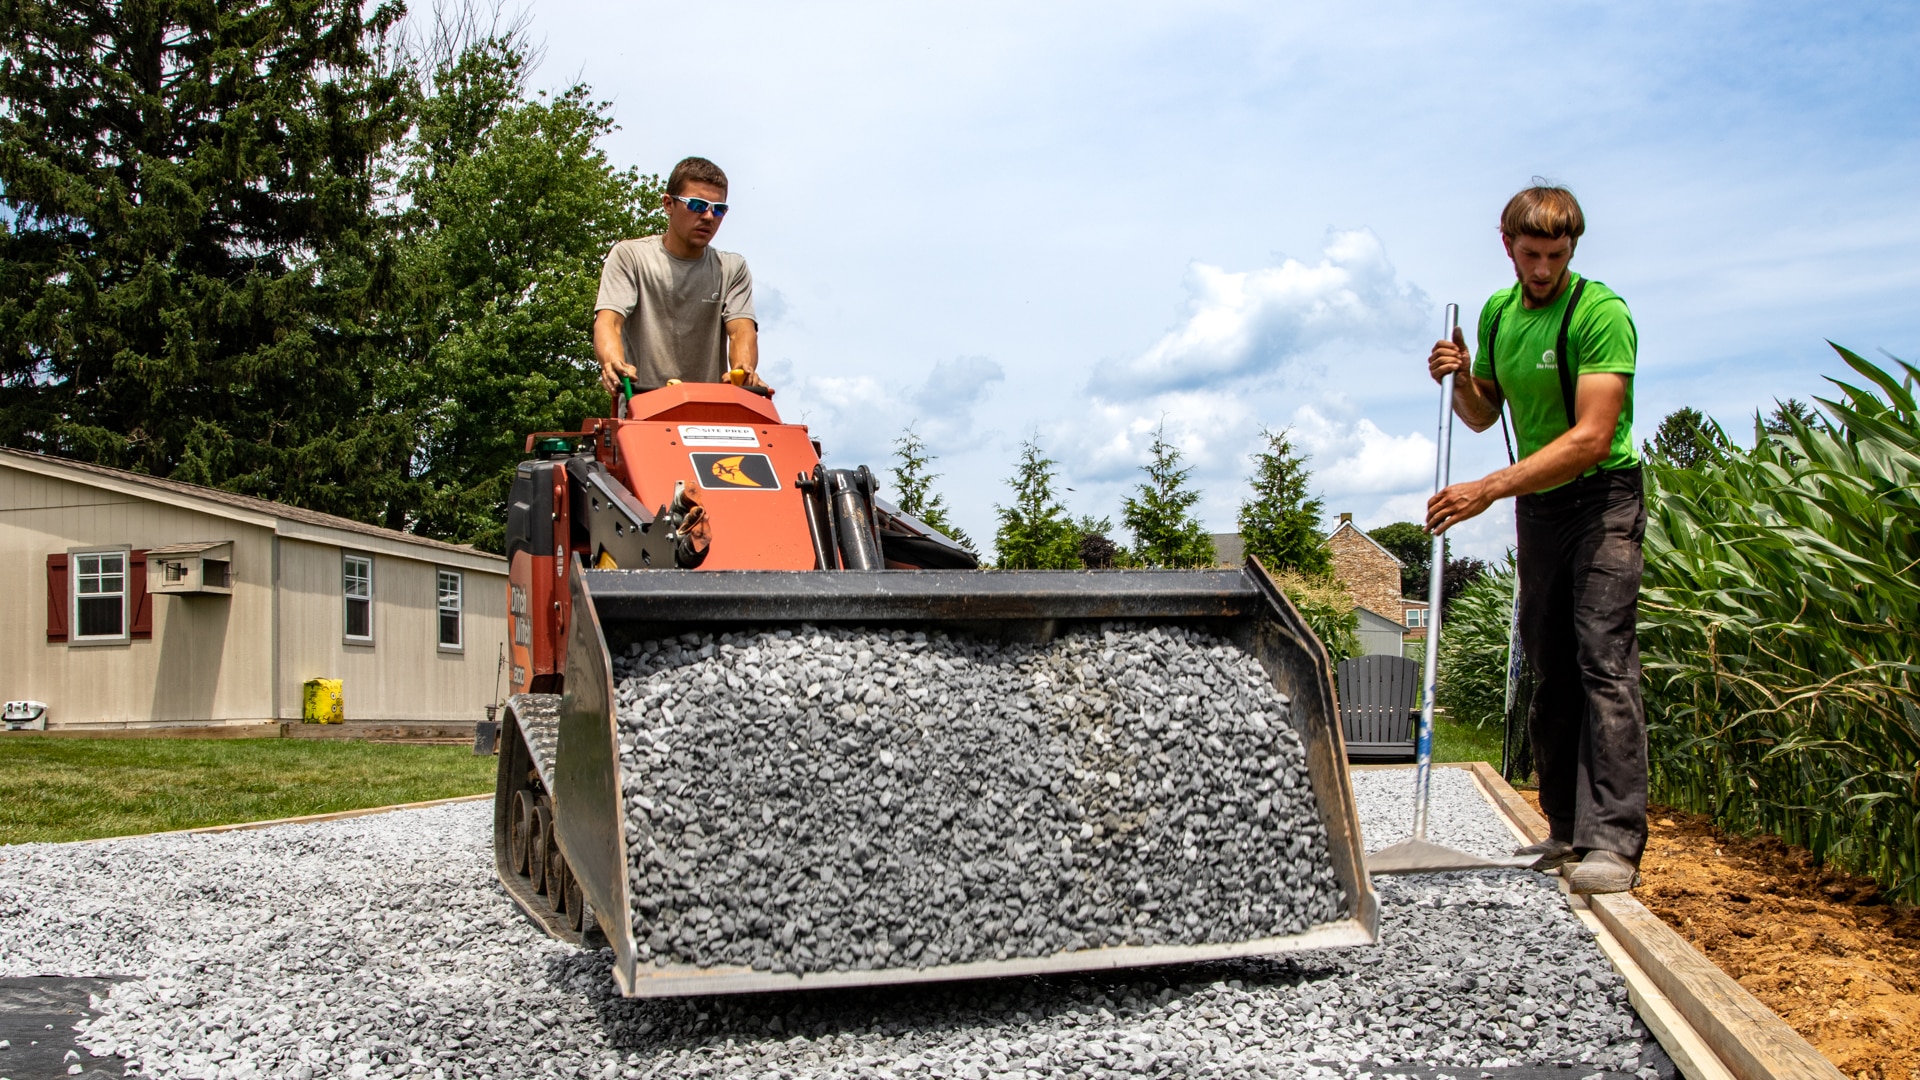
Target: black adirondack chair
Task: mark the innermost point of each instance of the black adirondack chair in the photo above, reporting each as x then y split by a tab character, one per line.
1377	716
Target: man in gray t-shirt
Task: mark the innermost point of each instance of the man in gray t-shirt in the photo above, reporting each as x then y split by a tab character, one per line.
670	306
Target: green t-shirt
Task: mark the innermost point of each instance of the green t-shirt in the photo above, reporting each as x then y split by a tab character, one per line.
1601	339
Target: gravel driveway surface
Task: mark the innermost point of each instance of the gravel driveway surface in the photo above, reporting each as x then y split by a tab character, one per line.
381	947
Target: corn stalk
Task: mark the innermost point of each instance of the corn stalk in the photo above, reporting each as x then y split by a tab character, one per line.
1780	629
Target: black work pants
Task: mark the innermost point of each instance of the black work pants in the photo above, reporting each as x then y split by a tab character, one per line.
1580	563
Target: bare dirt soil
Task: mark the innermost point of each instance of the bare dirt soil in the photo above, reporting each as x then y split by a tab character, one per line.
1823	949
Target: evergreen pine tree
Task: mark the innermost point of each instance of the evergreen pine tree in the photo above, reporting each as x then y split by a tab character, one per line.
1281	523
1165	534
1788	413
1687	438
1035	532
193	255
913	487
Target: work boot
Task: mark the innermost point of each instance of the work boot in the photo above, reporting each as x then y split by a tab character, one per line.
1547	855
1602	872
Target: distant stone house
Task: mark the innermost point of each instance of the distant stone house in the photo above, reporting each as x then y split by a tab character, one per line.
1229	549
1370	573
1414	614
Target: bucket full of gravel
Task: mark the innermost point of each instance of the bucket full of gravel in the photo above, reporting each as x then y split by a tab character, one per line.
1076	784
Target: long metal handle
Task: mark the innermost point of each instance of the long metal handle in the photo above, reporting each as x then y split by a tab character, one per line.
1437	562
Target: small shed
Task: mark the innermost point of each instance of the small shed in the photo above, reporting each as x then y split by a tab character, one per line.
144	602
1378	634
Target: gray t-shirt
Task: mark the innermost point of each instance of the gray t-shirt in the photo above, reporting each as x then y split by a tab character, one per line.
676	309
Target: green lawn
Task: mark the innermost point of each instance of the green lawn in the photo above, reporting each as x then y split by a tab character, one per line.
1464	742
77	789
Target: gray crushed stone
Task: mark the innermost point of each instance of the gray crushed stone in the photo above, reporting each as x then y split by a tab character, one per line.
1385	798
382	947
833	799
539	719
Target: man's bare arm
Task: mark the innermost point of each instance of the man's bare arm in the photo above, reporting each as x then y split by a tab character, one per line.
1597	401
1475	400
610	348
743	350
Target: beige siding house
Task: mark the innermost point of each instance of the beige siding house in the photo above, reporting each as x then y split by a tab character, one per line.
141	602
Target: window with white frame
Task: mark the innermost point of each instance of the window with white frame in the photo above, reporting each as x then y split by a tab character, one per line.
100	596
450	609
356	583
1416	618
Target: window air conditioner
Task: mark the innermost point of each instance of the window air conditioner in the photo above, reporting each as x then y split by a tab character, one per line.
201	567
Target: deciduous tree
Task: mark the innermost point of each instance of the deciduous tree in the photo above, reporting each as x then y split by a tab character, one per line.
510	206
1097	549
1413	547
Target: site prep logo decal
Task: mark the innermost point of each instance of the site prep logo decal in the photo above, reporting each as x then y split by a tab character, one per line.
735	472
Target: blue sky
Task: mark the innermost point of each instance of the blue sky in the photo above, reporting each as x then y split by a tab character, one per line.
1076	222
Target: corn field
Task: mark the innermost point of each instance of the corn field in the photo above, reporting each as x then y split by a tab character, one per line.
1473	650
1780	630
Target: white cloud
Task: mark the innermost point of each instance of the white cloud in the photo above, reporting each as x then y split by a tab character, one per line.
857	417
955	386
1249	323
1110	440
1356	457
770	307
1203	380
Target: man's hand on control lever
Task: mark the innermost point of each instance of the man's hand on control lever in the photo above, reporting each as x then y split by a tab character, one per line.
610	374
743	354
610	350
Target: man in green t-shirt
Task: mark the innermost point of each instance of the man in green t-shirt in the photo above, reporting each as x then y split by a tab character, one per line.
1558	351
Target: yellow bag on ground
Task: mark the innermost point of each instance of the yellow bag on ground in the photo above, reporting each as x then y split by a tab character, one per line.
323	702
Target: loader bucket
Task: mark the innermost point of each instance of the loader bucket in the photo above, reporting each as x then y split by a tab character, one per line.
1240	606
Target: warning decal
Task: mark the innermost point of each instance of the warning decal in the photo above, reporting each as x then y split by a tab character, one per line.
735	472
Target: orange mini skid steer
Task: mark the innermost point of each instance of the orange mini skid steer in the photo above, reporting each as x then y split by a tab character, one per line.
696	509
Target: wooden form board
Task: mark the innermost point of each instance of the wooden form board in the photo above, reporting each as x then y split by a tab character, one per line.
1710	1025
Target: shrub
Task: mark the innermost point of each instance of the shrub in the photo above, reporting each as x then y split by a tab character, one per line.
1324	603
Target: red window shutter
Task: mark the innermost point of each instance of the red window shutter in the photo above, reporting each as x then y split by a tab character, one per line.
139	600
56	598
